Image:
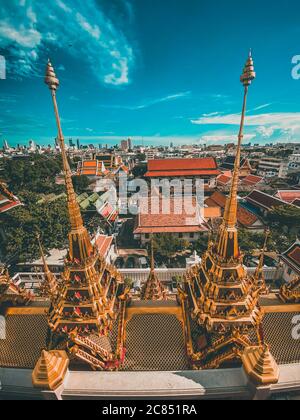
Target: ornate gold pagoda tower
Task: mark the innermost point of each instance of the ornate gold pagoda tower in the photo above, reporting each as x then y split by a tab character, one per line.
290	293
88	302
50	287
259	273
10	294
153	289
220	300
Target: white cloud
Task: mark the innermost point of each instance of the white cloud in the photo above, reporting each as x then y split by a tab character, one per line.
224	138
80	29
94	31
266	132
150	102
261	107
63	6
288	120
24	37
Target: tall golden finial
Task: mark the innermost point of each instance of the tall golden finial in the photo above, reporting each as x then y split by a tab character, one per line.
230	214
49	277
259	273
80	243
152	262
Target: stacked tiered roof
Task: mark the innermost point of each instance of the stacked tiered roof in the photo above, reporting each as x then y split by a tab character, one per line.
88	300
7	200
218	294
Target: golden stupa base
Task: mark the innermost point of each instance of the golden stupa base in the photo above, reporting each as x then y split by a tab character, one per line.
50	370
260	365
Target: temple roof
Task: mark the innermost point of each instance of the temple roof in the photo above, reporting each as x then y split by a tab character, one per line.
154	340
245	217
289	196
182	167
292	256
230	160
7	200
252	180
263	200
177	221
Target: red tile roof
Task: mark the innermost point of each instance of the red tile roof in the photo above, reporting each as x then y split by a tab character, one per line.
252	180
292	256
181	218
224	179
7	200
289	196
263	200
182	167
245	217
103	243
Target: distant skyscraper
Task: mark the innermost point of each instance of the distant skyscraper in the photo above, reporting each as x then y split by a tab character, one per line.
6	145
78	144
124	145
32	146
129	142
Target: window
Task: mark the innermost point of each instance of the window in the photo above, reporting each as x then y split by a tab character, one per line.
289	271
192	235
180	235
147	236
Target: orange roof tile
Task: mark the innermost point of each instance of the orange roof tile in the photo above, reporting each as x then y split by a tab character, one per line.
288	196
180	218
245	217
182	167
103	243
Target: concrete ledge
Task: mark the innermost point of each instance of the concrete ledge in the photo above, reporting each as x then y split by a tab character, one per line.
148	385
210	384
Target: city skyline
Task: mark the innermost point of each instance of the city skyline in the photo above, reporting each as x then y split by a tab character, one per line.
166	74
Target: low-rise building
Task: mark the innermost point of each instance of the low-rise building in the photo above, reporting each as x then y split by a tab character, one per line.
272	167
205	169
263	202
289	196
291	262
182	219
246	218
245	169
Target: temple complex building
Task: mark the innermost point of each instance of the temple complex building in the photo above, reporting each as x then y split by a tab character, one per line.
87	302
245	167
290	260
219	296
183	218
245	218
153	289
221	336
205	169
8	201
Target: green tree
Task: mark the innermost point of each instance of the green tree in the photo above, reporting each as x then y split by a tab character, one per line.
167	246
22	224
139	170
81	183
285	215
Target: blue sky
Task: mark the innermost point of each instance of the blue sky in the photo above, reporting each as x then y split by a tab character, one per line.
162	70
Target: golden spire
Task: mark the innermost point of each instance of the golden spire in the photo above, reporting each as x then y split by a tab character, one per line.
49	277
153	288
259	273
230	215
152	256
80	243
